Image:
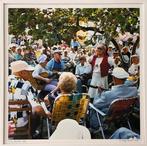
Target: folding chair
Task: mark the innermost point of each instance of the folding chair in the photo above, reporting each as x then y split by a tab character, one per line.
69	106
25	130
119	111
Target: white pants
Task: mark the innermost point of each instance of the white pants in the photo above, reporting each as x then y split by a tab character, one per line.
99	81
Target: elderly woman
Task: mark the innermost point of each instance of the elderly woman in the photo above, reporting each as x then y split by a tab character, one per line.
48	83
67	83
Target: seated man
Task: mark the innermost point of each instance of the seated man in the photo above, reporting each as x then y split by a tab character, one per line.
119	90
83	70
20	89
56	64
124	133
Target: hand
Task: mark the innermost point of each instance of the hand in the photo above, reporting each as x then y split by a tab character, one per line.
11	128
100	89
46	101
47	80
49	115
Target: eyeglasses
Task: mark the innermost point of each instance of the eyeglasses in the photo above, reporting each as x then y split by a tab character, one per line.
100	48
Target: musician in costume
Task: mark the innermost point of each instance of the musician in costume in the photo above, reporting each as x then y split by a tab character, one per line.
101	64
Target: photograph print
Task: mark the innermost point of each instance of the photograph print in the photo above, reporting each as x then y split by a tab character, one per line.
73	69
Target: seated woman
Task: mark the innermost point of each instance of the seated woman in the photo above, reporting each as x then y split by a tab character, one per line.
48	83
67	85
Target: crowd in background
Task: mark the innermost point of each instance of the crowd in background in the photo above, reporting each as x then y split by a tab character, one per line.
94	70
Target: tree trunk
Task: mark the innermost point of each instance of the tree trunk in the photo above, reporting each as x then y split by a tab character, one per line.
135	45
119	50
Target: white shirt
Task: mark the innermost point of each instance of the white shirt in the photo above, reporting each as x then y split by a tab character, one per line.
72	55
38	70
134	69
86	68
99	61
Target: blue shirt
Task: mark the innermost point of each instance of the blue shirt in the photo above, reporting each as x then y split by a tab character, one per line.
53	65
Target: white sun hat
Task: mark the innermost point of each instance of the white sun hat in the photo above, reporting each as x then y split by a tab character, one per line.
70	129
119	73
42	58
20	65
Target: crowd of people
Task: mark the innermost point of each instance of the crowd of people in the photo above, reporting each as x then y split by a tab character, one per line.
40	73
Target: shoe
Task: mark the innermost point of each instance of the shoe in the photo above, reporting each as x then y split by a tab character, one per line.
36	135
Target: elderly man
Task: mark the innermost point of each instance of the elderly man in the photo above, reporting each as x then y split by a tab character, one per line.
83	69
21	89
55	64
119	90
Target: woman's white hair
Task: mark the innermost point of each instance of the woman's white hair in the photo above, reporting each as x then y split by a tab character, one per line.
67	82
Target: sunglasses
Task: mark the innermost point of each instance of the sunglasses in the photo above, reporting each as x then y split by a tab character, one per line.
100	48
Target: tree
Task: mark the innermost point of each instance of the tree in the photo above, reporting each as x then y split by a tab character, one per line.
57	24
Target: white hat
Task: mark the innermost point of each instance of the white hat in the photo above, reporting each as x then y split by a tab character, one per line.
20	65
12	45
42	58
119	73
57	50
70	129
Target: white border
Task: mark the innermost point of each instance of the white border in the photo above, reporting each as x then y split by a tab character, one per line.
76	3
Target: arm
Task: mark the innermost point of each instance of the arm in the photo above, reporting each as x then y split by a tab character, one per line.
111	61
101	101
77	71
88	69
49	65
36	75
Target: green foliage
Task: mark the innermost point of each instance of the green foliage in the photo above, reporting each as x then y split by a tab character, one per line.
57	24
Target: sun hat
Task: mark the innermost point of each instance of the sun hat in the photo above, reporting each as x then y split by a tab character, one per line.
12	45
70	129
57	50
42	58
119	73
20	65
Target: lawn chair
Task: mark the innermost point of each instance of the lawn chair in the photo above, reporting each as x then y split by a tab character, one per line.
119	112
24	131
69	106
